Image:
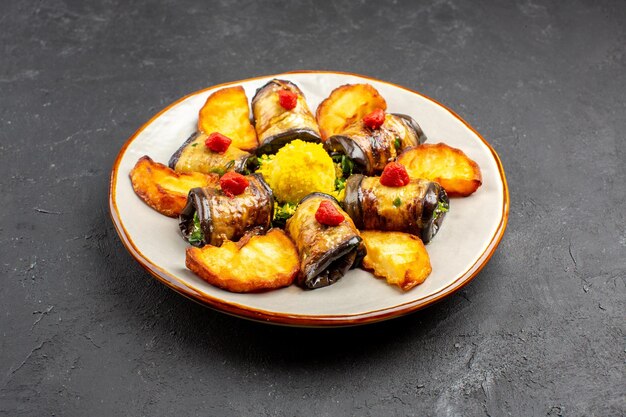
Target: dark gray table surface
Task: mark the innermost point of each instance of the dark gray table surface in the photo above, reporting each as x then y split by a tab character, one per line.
86	331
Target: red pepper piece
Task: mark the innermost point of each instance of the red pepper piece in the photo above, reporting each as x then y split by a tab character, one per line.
375	119
394	175
328	214
217	142
287	99
233	183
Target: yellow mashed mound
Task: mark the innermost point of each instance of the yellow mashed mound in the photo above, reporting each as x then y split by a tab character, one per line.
298	169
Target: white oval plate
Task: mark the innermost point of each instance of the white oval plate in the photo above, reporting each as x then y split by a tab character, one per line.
468	237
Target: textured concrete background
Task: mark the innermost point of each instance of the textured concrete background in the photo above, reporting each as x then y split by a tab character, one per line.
85	331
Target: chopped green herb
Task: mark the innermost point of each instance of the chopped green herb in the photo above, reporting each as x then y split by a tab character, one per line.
196	235
263	159
283	213
397	202
347	165
442	207
194	144
219	171
340	184
397	143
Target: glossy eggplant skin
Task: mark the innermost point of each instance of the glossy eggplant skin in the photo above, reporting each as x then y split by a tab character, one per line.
326	252
222	217
276	126
372	149
194	156
417	208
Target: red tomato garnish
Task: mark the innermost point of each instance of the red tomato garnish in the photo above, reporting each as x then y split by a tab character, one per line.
375	119
233	183
217	142
328	214
287	99
394	175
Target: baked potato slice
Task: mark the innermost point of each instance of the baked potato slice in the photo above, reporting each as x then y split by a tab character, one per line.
398	257
162	188
345	105
226	111
450	167
255	263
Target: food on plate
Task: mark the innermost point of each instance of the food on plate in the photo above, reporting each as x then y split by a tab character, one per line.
456	172
255	263
418	207
371	149
196	155
226	111
326	251
215	214
282	115
297	170
163	189
346	105
236	185
398	257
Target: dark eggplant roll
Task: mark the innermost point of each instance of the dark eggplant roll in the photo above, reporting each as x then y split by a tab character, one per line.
417	208
372	149
276	126
194	156
326	252
211	217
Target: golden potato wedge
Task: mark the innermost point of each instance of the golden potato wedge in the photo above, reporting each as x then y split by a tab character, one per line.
226	111
450	167
163	189
255	263
345	105
398	257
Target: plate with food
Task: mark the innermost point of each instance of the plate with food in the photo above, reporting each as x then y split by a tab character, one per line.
310	198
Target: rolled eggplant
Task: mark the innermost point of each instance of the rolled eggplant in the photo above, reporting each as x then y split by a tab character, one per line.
194	156
326	252
211	217
372	149
276	126
417	208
